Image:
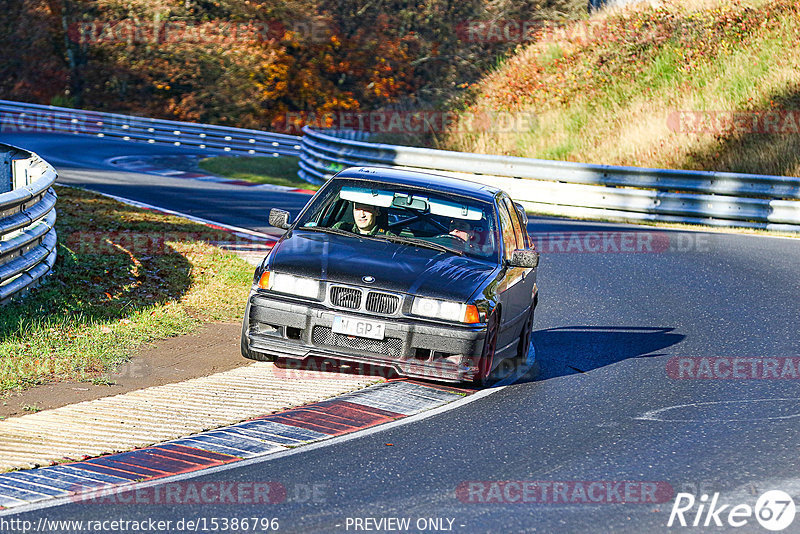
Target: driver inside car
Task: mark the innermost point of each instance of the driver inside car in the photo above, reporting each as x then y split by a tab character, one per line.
368	221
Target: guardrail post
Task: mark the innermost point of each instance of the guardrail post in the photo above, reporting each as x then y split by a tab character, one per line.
6	174
19	173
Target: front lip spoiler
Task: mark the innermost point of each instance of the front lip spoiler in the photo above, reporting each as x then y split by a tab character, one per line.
403	368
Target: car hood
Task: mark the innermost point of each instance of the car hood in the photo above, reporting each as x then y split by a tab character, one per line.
396	267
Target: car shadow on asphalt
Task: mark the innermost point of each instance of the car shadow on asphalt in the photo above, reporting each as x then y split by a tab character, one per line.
580	349
554	352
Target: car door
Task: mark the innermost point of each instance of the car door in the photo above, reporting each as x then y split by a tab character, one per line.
511	291
527	288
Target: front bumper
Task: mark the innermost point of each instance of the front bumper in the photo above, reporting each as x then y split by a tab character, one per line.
298	330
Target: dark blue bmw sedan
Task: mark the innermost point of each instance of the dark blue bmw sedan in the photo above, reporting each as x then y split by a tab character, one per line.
430	276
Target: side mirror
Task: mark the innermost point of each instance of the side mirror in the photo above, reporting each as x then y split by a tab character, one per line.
279	218
526	258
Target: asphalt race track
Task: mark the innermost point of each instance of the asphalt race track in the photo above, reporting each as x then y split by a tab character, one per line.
82	160
619	336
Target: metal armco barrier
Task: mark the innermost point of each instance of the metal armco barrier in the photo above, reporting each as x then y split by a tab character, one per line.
27	220
22	117
577	189
552	187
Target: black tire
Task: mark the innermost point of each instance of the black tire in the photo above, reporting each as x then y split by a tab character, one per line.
525	339
245	345
486	361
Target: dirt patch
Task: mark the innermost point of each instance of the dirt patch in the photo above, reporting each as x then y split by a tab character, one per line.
212	349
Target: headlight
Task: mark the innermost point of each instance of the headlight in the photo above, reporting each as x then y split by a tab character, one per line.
290	284
447	310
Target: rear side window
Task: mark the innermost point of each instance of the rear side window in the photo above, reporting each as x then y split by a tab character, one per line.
523	223
512	209
507	231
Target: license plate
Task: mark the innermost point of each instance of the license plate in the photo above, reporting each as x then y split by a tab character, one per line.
351	326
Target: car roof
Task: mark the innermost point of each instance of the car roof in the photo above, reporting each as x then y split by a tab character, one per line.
437	182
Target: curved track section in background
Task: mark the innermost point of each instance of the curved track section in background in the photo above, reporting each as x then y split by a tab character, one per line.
634	333
84	161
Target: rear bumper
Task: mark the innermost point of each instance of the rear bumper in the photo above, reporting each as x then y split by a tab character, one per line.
297	330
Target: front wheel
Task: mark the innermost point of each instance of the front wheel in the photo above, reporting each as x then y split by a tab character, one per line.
486	361
245	346
525	339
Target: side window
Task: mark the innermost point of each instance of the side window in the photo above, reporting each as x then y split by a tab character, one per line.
523	222
512	209
507	231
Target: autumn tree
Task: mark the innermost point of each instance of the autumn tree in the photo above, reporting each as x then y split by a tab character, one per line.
245	62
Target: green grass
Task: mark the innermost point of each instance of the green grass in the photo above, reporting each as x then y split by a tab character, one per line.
124	276
607	99
557	152
551	53
262	170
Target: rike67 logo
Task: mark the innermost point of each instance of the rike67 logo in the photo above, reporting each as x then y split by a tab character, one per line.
774	510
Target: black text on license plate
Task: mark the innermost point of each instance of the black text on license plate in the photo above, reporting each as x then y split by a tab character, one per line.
350	326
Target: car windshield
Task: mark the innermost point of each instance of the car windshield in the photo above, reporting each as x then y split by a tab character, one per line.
419	217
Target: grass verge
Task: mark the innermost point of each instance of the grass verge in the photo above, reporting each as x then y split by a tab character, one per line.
653	86
261	170
124	276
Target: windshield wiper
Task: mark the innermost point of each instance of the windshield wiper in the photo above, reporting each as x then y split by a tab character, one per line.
394	238
337	231
420	242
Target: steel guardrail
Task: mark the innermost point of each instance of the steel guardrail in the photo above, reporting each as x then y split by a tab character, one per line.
577	189
23	117
555	187
27	221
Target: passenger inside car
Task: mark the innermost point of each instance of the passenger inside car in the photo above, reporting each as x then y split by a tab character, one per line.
474	240
462	229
